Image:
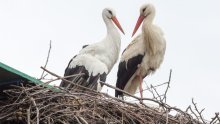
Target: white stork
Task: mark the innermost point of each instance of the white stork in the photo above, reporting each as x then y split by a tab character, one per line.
143	55
96	60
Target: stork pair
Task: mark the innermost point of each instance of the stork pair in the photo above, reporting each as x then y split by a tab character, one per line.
141	57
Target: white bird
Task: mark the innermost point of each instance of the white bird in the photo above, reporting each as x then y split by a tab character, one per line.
96	60
143	55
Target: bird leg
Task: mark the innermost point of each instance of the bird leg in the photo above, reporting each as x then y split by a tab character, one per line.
140	86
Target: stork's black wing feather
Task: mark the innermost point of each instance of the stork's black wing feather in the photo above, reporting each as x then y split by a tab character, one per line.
84	78
80	79
125	72
92	83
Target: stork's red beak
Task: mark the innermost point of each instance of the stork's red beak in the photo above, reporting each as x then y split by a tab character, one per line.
115	20
139	21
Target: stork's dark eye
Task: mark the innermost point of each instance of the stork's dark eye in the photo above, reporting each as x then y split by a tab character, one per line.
110	12
144	9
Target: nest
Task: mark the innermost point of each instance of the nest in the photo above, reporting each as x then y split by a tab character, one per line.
40	105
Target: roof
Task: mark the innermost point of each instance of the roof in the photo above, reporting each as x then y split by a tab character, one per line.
10	76
7	74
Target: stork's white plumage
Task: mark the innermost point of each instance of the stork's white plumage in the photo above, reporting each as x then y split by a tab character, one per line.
96	60
143	55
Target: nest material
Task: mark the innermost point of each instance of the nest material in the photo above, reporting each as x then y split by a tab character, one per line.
39	105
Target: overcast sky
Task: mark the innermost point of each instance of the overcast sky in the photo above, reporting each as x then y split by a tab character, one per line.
191	29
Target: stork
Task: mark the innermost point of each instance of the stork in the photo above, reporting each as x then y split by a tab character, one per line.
96	60
143	55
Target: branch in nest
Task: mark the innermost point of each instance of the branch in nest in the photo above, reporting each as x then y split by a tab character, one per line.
199	112
160	102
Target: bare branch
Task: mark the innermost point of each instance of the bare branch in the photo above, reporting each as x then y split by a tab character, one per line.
168	86
48	56
199	112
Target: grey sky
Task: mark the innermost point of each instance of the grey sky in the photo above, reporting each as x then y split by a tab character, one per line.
191	28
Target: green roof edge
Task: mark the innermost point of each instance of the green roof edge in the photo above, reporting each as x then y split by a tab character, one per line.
32	79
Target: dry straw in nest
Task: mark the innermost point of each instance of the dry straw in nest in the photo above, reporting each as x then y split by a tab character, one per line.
39	105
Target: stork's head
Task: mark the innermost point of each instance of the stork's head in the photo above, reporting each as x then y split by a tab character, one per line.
110	14
146	11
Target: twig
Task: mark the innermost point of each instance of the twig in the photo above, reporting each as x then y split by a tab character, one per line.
37	110
168	86
167	120
199	113
217	115
28	115
83	120
158	95
48	56
148	88
189	108
152	92
77	120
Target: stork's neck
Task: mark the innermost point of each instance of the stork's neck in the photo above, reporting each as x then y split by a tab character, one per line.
112	42
111	29
148	33
149	19
113	38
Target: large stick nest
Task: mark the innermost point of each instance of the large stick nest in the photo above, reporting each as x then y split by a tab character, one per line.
37	104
